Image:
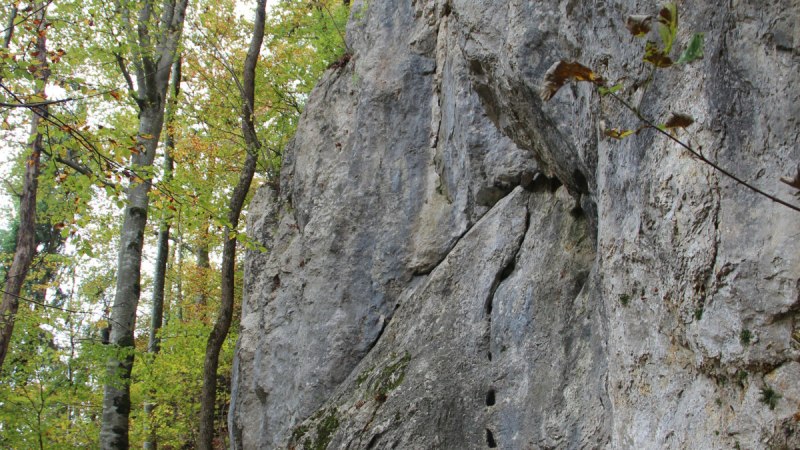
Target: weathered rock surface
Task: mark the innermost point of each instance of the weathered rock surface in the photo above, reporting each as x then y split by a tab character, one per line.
455	264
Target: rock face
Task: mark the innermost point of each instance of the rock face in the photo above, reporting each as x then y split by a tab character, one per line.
455	264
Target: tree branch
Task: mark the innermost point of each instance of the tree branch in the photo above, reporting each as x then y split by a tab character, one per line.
702	158
124	70
36	104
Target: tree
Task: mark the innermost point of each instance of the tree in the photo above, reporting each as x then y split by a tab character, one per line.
26	239
153	56
223	323
162	247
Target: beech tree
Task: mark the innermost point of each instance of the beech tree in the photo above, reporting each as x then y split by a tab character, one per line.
162	246
153	51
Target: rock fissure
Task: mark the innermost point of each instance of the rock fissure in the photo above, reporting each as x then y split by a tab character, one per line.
428	270
503	274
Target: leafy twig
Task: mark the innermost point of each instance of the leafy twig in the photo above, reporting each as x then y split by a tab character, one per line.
700	156
659	57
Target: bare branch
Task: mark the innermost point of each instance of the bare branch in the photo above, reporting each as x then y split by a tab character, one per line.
124	69
35	104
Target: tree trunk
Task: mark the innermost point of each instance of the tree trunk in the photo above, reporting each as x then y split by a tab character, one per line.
162	255
224	317
9	31
203	268
155	58
116	394
26	234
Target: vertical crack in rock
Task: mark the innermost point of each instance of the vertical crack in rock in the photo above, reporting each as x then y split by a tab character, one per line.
503	274
432	332
490	398
711	281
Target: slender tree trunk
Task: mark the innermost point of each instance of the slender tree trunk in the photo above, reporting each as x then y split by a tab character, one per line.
203	268
169	283
9	32
225	315
160	276
179	285
26	234
162	254
155	58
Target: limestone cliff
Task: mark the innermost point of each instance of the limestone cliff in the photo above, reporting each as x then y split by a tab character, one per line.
455	264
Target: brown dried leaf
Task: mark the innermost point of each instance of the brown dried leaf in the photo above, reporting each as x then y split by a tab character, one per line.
678	120
561	72
793	182
638	25
656	56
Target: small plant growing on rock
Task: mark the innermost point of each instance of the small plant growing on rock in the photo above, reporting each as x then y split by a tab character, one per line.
746	337
769	397
741	378
658	54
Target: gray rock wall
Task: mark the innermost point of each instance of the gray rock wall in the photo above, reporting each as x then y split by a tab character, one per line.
455	264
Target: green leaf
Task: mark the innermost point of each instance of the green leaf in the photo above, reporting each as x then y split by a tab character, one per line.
668	25
693	51
602	90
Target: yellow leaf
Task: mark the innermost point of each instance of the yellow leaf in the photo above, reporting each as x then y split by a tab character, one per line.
617	133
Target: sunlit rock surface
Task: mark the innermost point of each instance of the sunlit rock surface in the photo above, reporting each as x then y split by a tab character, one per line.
456	264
